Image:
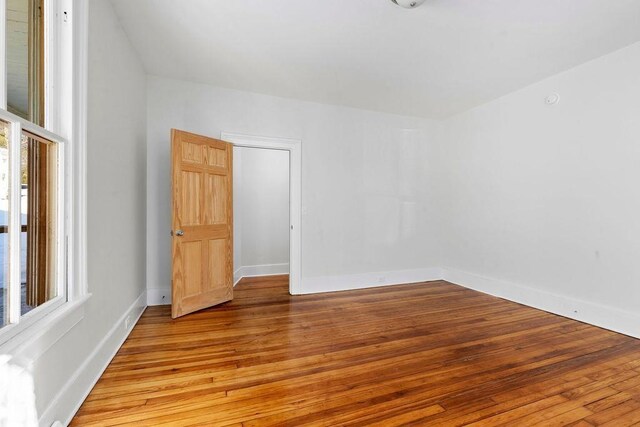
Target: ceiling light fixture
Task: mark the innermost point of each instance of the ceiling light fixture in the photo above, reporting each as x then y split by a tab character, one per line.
408	4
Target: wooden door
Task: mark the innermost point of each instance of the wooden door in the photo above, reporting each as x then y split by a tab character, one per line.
202	222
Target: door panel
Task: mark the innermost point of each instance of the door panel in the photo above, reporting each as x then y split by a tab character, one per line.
215	191
191	198
192	153
217	157
217	271
202	211
192	262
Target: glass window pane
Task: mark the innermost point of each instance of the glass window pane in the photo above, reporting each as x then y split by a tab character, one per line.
38	256
4	222
25	59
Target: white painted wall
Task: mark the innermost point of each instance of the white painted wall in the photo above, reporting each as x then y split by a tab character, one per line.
517	198
365	193
116	159
544	201
261	214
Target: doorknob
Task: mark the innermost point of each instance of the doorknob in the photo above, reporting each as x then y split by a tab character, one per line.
179	233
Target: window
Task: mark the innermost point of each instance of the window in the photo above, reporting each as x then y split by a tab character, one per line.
25	59
31	227
42	109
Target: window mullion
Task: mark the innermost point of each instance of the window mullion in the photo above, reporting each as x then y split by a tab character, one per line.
15	226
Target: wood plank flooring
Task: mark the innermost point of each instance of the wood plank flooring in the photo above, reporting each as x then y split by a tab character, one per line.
429	354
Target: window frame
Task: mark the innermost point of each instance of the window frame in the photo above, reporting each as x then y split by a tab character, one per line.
17	321
65	124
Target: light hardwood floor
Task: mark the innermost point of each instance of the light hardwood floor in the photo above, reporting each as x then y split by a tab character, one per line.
425	354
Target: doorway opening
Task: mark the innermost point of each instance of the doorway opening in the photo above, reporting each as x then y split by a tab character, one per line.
260	213
266	205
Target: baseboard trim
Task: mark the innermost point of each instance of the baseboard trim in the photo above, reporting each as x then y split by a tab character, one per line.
73	393
237	276
314	285
607	317
158	296
259	271
600	315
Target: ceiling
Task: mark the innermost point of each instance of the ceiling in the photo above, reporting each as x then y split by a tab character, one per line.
442	58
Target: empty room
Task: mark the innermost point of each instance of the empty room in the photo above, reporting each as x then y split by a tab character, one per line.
319	213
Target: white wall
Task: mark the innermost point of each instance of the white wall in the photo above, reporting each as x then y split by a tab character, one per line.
532	202
116	159
261	211
365	193
540	203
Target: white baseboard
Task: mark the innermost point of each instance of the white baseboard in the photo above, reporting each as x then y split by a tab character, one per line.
73	393
158	296
162	296
606	317
259	270
237	276
314	285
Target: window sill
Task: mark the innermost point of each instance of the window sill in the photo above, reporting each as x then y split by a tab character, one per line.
32	342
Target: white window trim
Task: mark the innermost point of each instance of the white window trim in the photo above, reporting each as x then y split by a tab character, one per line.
294	147
37	332
3	56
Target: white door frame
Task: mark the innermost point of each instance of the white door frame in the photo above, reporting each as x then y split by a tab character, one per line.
293	146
